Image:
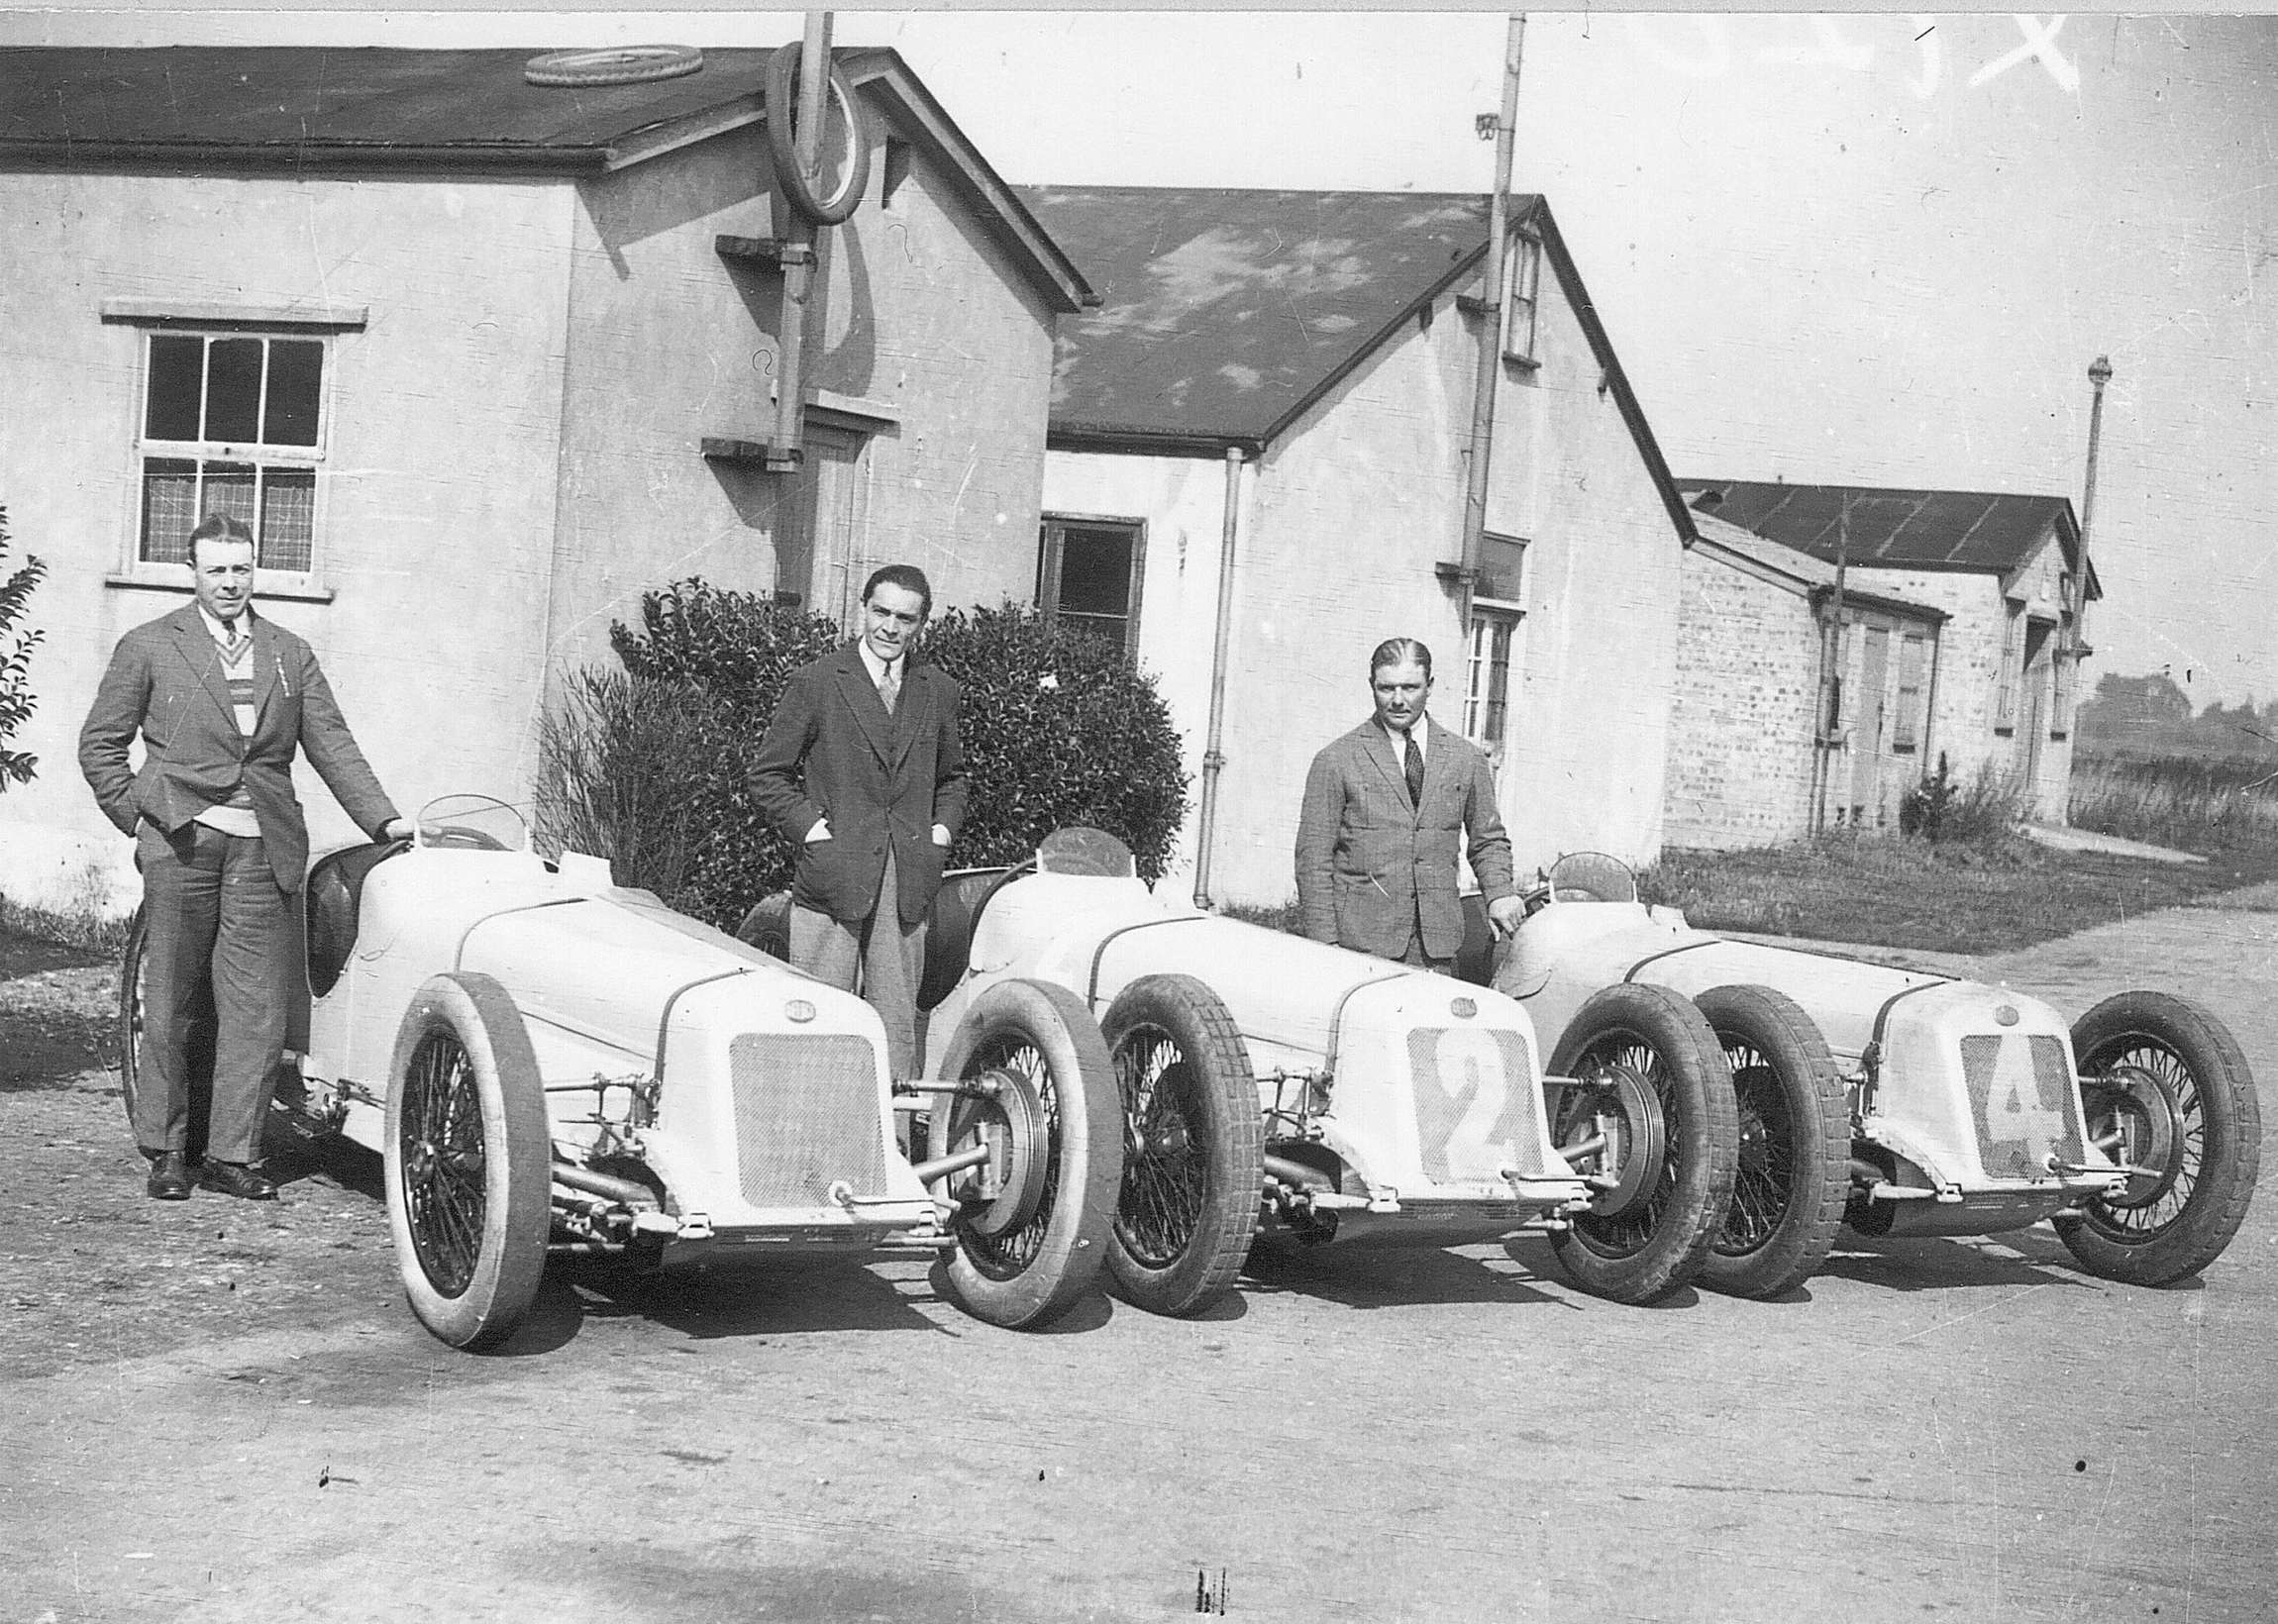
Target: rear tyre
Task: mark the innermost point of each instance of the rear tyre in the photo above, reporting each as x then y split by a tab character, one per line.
1194	1162
1031	1235
466	1155
130	1020
1794	1172
1653	1093
2165	1086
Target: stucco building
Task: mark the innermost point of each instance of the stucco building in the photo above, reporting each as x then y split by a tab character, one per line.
1960	638
482	359
1285	379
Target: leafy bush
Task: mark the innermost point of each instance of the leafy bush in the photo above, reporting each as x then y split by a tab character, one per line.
1058	728
16	645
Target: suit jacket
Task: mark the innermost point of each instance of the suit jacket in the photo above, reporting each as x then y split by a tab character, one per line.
165	682
832	752
1370	866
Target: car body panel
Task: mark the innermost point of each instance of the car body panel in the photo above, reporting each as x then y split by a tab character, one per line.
1428	1091
1964	1096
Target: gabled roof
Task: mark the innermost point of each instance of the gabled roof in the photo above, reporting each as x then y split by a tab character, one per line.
1226	315
1977	531
316	111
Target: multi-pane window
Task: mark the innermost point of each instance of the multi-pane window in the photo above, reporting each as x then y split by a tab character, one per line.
1522	277
2011	659
232	423
1906	726
1088	573
1487	676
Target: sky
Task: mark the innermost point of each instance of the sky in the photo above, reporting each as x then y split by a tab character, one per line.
1871	249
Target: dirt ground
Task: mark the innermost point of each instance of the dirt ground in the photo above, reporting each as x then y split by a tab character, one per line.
214	1411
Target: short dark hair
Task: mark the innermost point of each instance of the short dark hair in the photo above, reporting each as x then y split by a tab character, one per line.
219	527
907	577
1398	650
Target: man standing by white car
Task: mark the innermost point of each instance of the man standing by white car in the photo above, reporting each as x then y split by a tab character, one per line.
223	700
1387	809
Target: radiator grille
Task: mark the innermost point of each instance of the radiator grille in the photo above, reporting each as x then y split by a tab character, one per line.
1477	1102
2021	1092
807	1116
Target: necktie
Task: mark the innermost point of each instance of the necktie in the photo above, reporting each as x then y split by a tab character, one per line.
1412	768
889	688
233	639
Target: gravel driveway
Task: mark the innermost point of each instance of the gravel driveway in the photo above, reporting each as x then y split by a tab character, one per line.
214	1411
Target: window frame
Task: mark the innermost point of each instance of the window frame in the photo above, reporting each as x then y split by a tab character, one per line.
1051	549
155	319
1522	269
2011	676
1484	716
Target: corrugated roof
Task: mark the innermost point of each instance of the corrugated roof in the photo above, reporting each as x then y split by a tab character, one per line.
1985	532
1809	575
371	110
1225	314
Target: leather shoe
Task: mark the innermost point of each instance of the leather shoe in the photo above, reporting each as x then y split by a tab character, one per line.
237	1180
170	1179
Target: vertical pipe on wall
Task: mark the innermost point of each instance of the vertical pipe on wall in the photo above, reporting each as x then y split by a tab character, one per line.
799	235
1491	335
1221	648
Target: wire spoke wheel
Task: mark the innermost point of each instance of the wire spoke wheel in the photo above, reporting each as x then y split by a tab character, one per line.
1166	1178
2164	1087
467	1152
1194	1151
443	1164
1031	1232
1793	1171
1003	1251
1650	1117
1764	1178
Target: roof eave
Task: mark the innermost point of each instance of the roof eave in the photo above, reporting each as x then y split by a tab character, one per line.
1113	440
190	156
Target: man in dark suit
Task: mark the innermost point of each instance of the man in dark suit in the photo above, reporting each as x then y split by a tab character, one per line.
222	699
1376	839
863	766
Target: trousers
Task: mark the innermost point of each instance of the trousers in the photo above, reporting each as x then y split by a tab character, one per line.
213	979
874	956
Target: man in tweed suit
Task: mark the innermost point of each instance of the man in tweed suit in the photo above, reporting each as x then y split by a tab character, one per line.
223	699
1377	839
863	766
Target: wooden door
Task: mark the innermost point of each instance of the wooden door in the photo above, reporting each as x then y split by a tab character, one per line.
1870	740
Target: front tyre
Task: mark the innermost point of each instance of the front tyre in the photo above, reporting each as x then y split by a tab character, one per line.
466	1153
1031	1227
1193	1158
1650	1118
1793	1170
2167	1088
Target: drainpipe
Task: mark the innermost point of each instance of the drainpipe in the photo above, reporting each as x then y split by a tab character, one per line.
1221	648
798	254
1832	673
1491	334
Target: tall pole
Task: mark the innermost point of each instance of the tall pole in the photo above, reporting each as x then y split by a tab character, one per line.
1831	673
2098	374
1221	648
798	235
1492	328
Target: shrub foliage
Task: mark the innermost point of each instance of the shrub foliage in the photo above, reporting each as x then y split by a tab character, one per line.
17	641
652	768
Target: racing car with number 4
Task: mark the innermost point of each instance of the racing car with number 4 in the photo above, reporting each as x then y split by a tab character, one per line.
1909	1103
550	1064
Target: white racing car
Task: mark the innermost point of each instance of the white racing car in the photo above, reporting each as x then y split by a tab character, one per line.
552	1064
1907	1103
1272	1084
